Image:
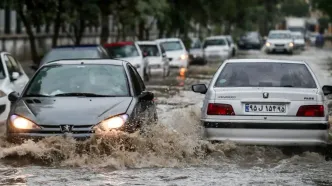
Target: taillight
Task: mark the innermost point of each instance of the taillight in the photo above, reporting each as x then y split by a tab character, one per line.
311	111
220	109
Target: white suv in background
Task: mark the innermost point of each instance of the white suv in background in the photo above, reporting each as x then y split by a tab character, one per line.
216	48
12	78
175	51
280	41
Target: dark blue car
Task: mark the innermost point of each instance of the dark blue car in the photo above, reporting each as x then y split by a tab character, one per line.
74	52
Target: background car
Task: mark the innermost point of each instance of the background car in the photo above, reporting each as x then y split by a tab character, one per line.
156	56
129	51
12	78
251	40
216	48
73	52
232	45
175	51
265	102
299	41
196	52
79	98
280	41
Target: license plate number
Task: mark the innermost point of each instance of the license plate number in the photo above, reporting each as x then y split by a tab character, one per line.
258	108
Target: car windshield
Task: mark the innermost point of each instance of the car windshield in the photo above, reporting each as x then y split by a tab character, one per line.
151	50
265	75
122	51
280	36
71	80
214	42
172	45
71	53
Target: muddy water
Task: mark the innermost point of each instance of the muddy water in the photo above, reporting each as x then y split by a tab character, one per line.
171	153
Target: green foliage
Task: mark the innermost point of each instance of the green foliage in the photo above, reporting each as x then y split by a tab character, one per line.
323	5
298	8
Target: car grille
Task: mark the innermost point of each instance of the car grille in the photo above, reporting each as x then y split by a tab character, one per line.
279	45
75	129
170	59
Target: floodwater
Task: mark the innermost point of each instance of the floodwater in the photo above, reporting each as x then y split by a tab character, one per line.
171	153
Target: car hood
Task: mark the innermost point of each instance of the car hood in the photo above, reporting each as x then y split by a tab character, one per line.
71	110
133	60
279	41
175	54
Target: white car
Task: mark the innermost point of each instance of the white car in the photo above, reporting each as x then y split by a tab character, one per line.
299	41
129	51
232	45
265	102
156	56
175	51
12	78
216	48
279	41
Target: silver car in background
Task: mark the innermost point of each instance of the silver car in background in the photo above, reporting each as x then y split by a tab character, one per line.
265	102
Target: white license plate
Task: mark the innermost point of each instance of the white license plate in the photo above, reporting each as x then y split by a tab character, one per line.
261	108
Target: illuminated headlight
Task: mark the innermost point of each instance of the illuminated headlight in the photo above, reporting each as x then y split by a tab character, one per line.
113	122
2	94
184	57
268	44
291	44
22	123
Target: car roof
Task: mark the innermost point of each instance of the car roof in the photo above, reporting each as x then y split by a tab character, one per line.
216	37
262	61
121	43
280	31
147	42
86	61
76	46
168	39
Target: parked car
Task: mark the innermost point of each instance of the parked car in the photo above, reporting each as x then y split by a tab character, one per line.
232	45
216	48
73	52
12	78
156	56
265	102
196	52
280	41
175	51
299	41
251	40
129	51
79	99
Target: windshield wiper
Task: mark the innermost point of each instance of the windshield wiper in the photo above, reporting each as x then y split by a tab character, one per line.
37	95
79	94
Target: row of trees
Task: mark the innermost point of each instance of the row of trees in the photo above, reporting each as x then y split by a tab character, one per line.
172	17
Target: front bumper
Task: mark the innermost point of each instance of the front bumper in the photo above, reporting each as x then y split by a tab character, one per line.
268	133
279	48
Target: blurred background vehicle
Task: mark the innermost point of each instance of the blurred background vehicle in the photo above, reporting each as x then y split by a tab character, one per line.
73	52
175	51
156	56
280	41
299	41
216	48
250	40
232	45
196	52
312	38
129	51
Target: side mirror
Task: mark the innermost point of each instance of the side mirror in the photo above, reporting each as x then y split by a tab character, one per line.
13	96
199	88
15	76
34	67
146	96
327	90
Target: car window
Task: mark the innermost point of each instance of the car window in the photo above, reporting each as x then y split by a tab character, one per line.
108	80
151	50
71	53
172	45
122	51
12	65
162	50
214	42
142	85
265	75
135	81
196	44
2	70
280	36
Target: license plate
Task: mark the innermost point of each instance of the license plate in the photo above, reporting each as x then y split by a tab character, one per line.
259	108
279	49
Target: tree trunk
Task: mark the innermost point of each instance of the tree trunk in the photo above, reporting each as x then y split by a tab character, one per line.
104	28
57	25
141	28
28	26
79	32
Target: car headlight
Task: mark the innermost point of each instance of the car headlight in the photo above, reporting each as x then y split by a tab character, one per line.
113	122
184	57
268	44
22	123
291	44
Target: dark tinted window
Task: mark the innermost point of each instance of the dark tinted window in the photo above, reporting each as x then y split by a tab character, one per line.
172	45
151	50
214	42
135	81
265	75
122	51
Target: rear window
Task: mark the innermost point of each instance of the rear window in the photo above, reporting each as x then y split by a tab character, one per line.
265	75
172	45
151	50
122	51
280	36
214	42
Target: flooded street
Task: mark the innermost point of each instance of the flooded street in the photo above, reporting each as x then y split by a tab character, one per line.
171	153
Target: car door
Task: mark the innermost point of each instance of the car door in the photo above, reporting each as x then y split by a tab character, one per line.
13	67
164	56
